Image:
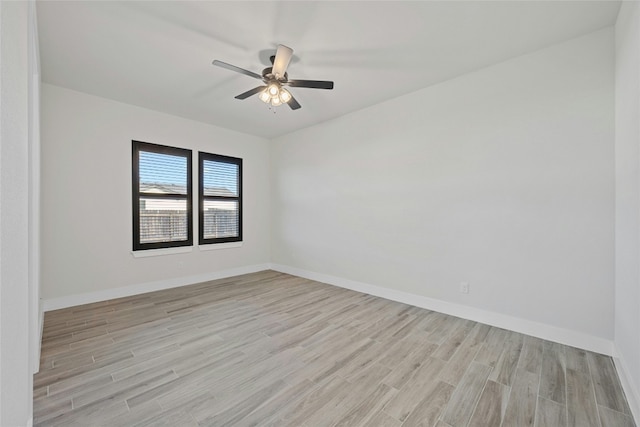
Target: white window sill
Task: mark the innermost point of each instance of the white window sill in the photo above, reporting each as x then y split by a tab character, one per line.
215	246
163	251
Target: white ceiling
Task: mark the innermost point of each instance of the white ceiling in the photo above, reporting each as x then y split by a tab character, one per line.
158	54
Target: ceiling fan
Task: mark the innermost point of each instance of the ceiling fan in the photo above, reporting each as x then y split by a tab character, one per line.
275	79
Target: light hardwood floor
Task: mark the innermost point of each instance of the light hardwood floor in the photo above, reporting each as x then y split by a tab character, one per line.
271	349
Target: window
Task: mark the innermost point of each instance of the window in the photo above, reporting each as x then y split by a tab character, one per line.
162	214
220	195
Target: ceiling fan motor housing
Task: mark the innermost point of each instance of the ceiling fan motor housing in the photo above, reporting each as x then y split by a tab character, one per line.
268	76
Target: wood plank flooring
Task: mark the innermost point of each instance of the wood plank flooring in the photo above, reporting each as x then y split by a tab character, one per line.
270	349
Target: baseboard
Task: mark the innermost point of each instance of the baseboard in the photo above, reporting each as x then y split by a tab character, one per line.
630	390
37	350
540	330
528	327
126	291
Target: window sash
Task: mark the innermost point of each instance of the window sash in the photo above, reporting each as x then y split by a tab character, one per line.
220	218
180	231
224	227
163	220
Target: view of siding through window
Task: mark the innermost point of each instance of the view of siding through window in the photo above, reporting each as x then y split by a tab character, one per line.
221	217
162	218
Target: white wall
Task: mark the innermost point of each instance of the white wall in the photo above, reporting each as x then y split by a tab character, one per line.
15	309
86	196
627	249
503	178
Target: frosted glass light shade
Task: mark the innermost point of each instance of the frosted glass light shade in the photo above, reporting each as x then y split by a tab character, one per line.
275	101
264	96
285	96
273	90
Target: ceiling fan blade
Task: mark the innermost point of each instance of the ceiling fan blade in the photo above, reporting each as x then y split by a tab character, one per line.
294	104
314	84
281	62
251	92
237	69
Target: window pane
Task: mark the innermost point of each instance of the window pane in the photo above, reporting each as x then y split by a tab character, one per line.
162	173
163	220
220	179
220	218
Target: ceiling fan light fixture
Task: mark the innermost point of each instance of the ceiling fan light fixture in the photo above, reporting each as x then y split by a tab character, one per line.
285	96
275	101
273	89
264	96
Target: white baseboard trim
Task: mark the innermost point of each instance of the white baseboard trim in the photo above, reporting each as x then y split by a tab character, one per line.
38	349
126	291
630	390
536	329
528	327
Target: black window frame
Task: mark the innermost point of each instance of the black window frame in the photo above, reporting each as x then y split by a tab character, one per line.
202	157
137	147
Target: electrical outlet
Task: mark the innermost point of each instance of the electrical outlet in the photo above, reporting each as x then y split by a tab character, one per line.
464	287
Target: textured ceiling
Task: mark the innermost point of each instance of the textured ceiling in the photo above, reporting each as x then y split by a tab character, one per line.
158	54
